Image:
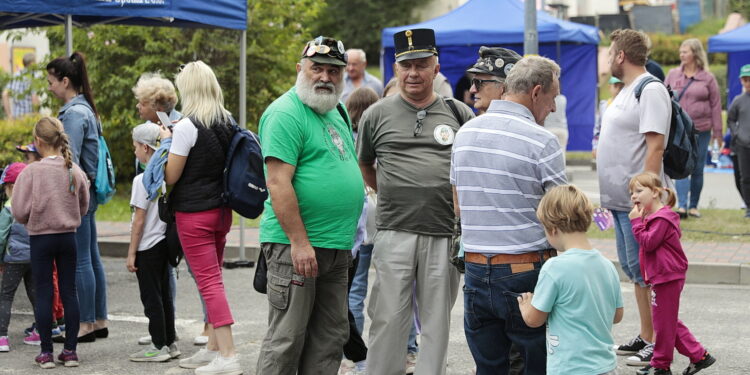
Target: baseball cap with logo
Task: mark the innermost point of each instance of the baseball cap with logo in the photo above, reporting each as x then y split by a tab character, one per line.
11	172
325	50
745	71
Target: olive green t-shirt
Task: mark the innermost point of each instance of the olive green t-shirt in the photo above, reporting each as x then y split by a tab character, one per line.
414	191
327	179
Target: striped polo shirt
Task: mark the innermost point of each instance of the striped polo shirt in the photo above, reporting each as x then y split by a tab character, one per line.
20	94
501	165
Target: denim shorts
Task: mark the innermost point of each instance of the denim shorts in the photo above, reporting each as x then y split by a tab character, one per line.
627	247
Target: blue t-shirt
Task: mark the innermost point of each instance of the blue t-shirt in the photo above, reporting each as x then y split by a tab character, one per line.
580	289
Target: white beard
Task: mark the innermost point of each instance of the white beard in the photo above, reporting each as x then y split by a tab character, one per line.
320	102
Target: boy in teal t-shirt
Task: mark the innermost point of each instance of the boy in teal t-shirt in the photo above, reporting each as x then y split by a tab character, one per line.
578	292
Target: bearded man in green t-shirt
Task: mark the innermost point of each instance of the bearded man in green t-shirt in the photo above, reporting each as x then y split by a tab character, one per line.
307	230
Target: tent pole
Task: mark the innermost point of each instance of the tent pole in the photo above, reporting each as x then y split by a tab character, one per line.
530	35
243	120
68	35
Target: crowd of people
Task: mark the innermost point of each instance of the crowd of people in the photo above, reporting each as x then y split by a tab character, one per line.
397	178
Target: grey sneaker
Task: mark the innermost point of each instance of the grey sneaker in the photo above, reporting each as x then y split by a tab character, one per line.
174	351
201	358
642	358
151	354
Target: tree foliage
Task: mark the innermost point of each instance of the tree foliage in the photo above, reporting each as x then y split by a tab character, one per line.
117	55
740	6
359	23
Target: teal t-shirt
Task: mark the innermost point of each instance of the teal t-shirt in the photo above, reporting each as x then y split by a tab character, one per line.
327	179
580	289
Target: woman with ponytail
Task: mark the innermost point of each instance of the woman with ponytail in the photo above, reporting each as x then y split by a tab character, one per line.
50	197
69	82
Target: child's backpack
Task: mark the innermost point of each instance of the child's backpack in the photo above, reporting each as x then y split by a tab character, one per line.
105	172
681	154
244	182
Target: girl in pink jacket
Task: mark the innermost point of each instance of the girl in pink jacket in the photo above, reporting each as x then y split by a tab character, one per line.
663	265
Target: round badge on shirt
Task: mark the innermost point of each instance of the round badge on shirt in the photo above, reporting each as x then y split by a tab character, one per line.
444	134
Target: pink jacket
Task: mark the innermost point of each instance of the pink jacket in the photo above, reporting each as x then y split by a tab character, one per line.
42	199
661	255
701	100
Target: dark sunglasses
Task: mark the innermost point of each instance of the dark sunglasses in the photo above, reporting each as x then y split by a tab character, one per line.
478	83
418	126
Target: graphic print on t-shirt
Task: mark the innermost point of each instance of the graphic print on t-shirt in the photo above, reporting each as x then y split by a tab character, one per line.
444	134
335	143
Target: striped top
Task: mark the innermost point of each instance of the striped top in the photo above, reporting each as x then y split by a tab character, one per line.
501	165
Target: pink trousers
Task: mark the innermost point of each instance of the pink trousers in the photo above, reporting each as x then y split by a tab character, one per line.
671	333
203	236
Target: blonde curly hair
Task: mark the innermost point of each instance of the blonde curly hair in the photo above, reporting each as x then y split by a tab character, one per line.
156	91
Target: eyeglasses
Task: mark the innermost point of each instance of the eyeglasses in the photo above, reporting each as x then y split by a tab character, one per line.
478	83
418	126
324	46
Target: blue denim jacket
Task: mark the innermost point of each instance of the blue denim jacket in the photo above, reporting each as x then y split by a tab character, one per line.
14	239
83	130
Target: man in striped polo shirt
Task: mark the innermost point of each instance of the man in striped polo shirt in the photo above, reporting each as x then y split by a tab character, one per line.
502	164
18	100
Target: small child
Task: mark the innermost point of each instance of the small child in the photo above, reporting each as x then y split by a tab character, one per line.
148	257
578	292
15	258
50	197
663	265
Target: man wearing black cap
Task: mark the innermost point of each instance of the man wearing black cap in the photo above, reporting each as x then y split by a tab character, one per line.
310	217
490	71
411	135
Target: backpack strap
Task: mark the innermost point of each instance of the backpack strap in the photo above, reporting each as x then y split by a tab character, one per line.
642	85
343	114
454	109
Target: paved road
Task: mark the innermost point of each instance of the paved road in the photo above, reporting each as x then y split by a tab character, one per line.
718	315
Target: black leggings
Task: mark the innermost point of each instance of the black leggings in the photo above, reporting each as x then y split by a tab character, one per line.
156	296
14	274
355	349
60	248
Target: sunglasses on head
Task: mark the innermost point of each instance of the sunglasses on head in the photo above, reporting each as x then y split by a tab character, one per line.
478	83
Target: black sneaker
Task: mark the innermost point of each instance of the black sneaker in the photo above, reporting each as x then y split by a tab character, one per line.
632	347
642	358
648	370
706	362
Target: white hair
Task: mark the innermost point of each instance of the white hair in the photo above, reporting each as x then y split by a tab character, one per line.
357	52
158	92
531	71
201	94
320	102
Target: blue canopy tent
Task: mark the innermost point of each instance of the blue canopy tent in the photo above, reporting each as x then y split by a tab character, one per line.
478	23
736	44
227	14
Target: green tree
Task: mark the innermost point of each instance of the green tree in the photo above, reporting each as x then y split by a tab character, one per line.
740	6
359	23
117	55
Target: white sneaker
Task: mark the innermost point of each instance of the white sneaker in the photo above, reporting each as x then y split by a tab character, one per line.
221	366
174	352
200	340
411	363
145	340
346	367
201	358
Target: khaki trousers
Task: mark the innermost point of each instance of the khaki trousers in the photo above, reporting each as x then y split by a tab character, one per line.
307	317
400	258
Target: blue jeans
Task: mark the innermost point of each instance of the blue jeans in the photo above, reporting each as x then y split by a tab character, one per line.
627	247
91	281
358	292
693	184
492	320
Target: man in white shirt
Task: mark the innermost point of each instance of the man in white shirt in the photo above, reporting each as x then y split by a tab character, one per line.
632	141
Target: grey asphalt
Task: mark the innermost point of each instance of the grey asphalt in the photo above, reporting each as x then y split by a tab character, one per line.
717	314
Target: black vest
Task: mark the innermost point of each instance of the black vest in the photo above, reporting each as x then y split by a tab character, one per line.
201	183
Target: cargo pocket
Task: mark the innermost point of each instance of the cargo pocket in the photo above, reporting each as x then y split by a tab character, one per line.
278	291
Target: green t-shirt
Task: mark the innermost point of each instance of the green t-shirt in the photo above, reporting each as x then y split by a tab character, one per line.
327	179
414	190
580	289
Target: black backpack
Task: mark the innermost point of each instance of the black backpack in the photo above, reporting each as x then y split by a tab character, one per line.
244	182
681	154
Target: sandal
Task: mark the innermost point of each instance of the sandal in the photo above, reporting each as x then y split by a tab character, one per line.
683	214
694	213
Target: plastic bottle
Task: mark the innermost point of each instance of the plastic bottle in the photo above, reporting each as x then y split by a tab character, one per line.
715	153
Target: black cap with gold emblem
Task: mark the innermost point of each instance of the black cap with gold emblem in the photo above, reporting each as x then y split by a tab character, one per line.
495	61
414	44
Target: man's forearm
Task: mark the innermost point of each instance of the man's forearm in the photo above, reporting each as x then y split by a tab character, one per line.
368	173
286	207
654	153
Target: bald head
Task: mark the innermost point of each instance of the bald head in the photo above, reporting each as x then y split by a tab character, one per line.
356	63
